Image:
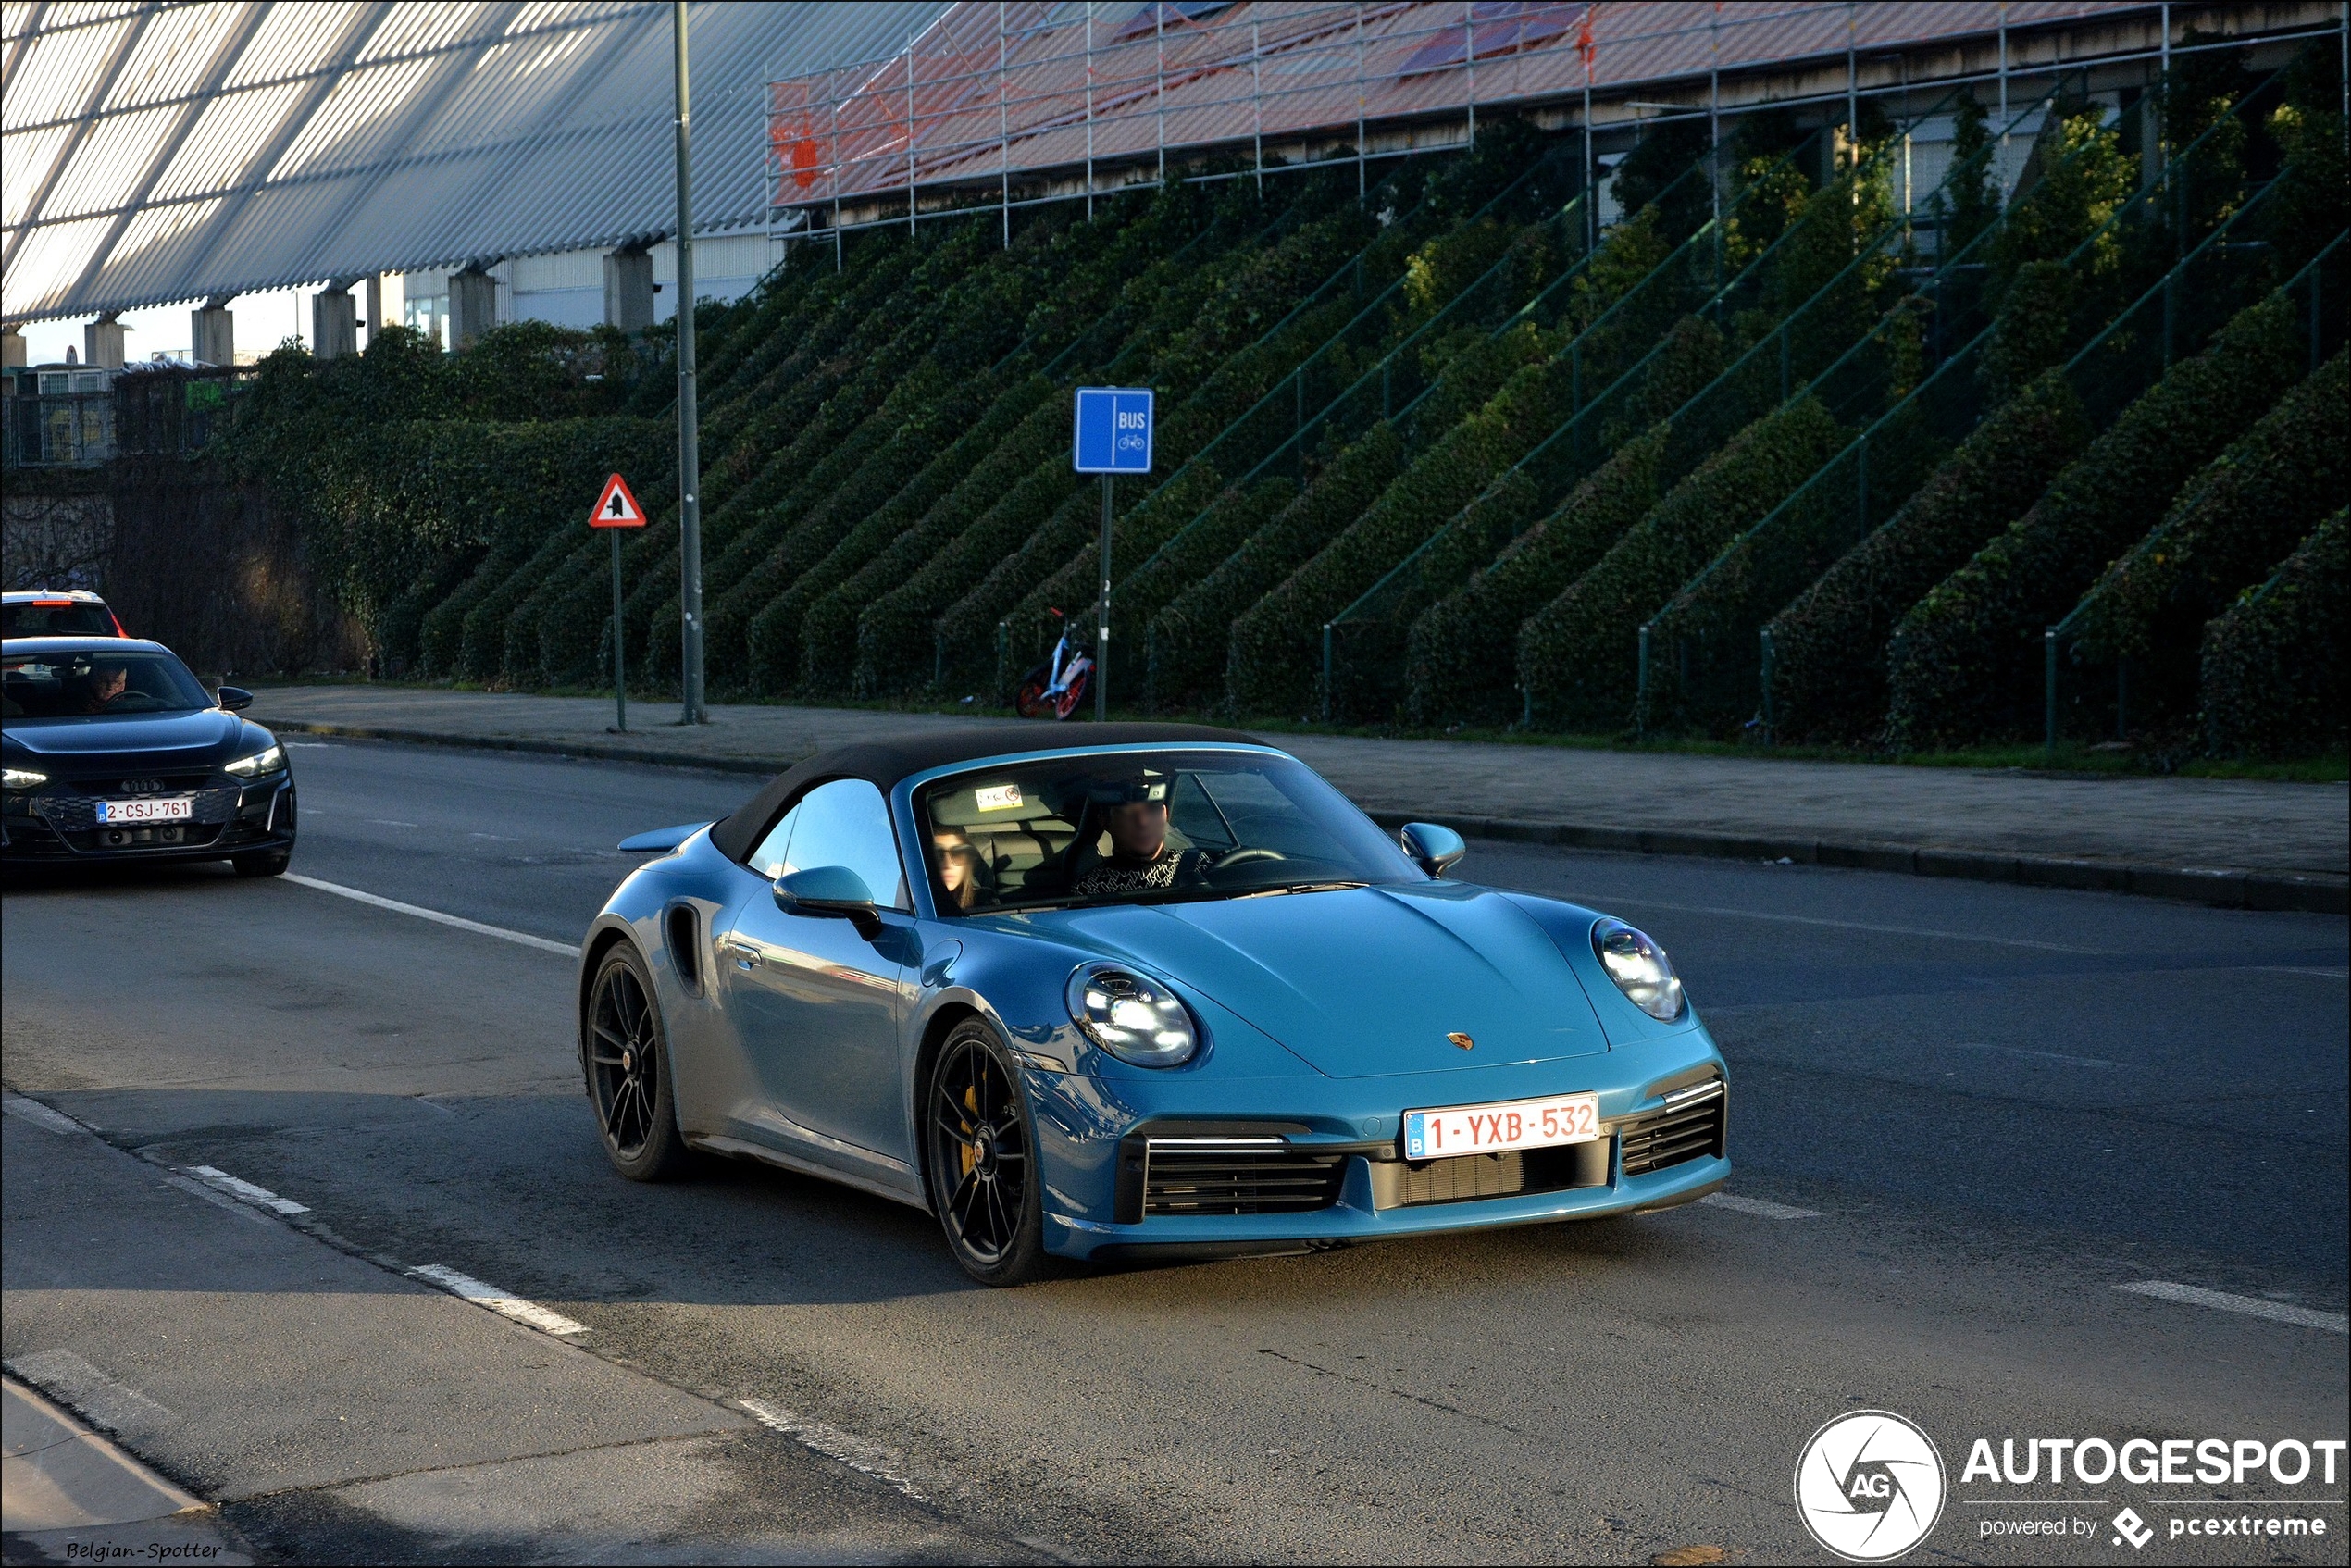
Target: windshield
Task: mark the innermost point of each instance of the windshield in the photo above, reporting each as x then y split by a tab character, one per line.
87	683
1143	826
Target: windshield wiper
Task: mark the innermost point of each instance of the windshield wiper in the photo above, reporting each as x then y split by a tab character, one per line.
1301	888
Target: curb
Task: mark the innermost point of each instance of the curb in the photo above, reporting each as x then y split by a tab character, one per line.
2298	892
2224	888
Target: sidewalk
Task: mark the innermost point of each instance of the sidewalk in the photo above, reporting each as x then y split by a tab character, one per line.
68	1493
2223	841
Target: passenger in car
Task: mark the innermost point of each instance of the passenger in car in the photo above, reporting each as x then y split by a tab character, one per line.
959	868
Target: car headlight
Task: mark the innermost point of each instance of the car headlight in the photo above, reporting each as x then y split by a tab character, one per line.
1135	1019
24	778
254	766
1640	969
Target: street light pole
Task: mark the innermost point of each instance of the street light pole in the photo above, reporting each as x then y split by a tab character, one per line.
689	419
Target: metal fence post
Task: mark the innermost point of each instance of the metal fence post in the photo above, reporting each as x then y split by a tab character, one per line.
1326	672
1862	493
2048	691
1766	635
1641	689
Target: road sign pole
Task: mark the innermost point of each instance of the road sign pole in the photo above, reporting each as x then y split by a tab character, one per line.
616	509
1101	617
1111	435
619	675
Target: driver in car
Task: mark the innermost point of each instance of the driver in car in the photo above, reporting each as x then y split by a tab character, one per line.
105	683
1140	858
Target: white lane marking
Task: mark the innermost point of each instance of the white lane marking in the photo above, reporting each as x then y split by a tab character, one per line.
39	1115
1760	1208
236	1187
2251	1306
1865	926
866	1459
388	822
457	921
308	746
503	1301
203	1193
105	1402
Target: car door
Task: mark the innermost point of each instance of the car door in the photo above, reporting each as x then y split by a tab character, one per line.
816	1003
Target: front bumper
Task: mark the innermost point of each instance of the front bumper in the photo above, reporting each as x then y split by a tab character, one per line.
1264	1182
58	826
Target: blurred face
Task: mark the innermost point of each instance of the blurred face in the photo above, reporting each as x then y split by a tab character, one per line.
1138	828
106	683
955	857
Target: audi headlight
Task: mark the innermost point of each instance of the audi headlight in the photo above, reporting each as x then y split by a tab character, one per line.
1640	969
254	766
25	778
1135	1019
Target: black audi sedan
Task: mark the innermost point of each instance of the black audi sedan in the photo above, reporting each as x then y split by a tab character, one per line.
115	752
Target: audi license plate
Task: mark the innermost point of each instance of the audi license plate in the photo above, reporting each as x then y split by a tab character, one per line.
176	808
1490	1129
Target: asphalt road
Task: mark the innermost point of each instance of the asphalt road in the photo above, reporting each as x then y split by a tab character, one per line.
1964	1114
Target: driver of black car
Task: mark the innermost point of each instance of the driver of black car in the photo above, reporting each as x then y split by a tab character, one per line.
1133	816
104	685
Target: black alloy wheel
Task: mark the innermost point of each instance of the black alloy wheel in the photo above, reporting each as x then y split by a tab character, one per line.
983	1161
628	1061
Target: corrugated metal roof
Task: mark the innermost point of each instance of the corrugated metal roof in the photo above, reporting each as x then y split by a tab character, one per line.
156	152
993	87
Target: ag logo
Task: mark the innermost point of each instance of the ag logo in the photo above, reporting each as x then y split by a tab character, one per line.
1869	1486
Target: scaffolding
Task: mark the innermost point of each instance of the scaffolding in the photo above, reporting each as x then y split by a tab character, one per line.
1086	98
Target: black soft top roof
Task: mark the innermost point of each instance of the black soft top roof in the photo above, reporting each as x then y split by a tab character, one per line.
886	762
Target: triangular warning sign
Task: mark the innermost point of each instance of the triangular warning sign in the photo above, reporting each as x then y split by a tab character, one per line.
616	508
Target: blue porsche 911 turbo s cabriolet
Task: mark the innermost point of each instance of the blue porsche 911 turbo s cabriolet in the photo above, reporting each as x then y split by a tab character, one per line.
1150	990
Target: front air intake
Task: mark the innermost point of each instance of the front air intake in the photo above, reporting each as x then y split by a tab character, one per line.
1691	1127
1237	1177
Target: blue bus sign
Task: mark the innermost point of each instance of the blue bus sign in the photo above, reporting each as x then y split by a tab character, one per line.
1114	430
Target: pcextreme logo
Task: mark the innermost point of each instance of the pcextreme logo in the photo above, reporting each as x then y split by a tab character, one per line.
1869	1486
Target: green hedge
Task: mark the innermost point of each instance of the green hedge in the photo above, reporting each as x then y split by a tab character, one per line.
1065	555
1578	658
1460	664
807	638
549	620
1189	638
1212	311
2231	525
424	493
2274	661
1828	645
1274	656
967	630
1964	664
932	429
1064	574
896	638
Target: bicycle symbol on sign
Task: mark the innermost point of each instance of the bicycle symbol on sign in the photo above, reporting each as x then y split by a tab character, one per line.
1130	442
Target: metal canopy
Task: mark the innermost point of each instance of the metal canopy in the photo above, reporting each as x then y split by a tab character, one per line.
154	153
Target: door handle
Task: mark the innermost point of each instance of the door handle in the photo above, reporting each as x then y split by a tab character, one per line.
746	956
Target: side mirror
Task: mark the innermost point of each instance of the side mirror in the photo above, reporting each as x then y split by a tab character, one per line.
828	889
1434	850
235	699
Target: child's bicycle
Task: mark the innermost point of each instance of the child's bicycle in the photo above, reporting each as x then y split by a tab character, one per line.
1059	684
